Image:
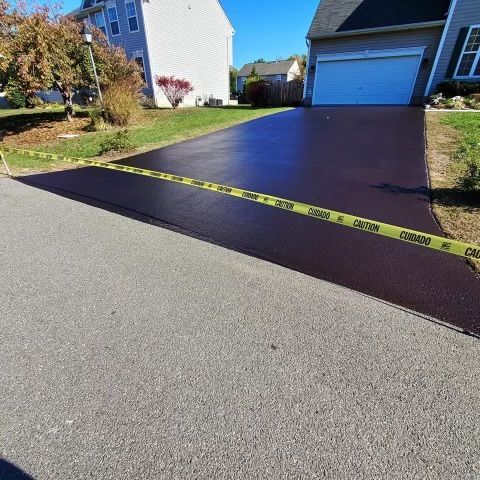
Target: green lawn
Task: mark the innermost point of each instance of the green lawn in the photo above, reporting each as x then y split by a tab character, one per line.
453	158
159	127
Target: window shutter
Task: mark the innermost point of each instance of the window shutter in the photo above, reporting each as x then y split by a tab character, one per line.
457	51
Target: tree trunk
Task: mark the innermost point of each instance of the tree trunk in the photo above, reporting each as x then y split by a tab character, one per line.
67	96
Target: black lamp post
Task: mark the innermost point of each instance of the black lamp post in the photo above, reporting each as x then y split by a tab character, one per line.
87	37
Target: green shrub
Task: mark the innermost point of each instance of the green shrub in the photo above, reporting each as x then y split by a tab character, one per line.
97	122
35	102
469	155
472	102
14	95
121	101
455	89
256	93
117	142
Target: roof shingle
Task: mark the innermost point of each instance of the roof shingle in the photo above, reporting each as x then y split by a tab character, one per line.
335	16
267	68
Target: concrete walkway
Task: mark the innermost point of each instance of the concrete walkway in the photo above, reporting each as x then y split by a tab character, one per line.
130	351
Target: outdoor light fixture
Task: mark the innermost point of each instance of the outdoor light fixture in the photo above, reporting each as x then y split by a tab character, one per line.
86	34
87	37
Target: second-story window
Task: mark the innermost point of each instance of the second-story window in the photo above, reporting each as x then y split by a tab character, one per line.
100	22
131	15
113	18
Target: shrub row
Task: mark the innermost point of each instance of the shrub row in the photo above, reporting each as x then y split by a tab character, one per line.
458	89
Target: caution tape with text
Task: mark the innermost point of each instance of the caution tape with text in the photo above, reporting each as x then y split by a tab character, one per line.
371	226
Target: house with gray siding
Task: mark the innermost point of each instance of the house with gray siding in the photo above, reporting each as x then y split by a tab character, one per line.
279	71
390	52
187	39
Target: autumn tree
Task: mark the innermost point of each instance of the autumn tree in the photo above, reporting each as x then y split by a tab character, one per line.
302	63
175	89
44	50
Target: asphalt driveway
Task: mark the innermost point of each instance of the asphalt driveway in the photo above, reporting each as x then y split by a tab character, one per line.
368	161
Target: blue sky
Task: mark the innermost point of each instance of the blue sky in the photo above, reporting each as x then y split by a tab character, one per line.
264	28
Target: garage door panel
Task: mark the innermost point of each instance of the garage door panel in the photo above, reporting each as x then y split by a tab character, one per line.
385	80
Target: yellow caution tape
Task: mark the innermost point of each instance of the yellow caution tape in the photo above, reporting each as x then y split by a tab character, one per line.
415	237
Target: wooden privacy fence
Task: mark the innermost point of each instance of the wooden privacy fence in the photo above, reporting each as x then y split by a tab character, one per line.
283	93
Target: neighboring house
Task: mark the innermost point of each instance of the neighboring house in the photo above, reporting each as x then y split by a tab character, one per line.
281	71
188	39
390	52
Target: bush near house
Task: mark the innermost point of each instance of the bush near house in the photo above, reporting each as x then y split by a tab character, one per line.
121	102
175	89
256	93
471	102
458	89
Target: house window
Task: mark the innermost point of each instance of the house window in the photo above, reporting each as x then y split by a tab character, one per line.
100	22
113	18
469	63
138	58
278	78
89	3
131	16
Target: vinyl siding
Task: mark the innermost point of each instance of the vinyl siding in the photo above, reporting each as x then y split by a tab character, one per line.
428	37
131	42
467	12
192	40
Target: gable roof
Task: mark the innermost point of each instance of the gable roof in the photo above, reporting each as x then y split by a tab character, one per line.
267	68
338	16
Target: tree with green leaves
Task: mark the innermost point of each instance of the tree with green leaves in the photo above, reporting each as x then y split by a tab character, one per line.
233	79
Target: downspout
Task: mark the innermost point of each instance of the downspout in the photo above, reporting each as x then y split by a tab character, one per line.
228	63
453	5
307	67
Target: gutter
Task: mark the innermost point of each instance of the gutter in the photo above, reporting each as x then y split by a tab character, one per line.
393	28
86	11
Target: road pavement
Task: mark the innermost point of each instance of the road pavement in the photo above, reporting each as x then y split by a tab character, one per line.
132	351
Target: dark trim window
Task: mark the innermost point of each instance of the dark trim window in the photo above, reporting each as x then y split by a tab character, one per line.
113	19
131	15
138	58
89	3
469	62
100	22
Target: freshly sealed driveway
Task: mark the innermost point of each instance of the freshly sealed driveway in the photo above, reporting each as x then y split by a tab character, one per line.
365	161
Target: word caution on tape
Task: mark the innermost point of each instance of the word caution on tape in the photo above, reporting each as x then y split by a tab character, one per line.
421	239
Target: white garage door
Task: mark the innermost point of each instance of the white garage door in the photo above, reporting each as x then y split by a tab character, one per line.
366	81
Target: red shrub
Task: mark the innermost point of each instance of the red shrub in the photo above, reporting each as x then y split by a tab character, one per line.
175	89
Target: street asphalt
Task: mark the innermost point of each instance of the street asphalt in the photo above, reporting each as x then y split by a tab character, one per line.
130	351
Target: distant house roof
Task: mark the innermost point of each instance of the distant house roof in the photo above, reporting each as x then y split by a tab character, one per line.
338	16
267	68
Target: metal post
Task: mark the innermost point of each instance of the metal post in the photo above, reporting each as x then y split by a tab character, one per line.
9	173
95	73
